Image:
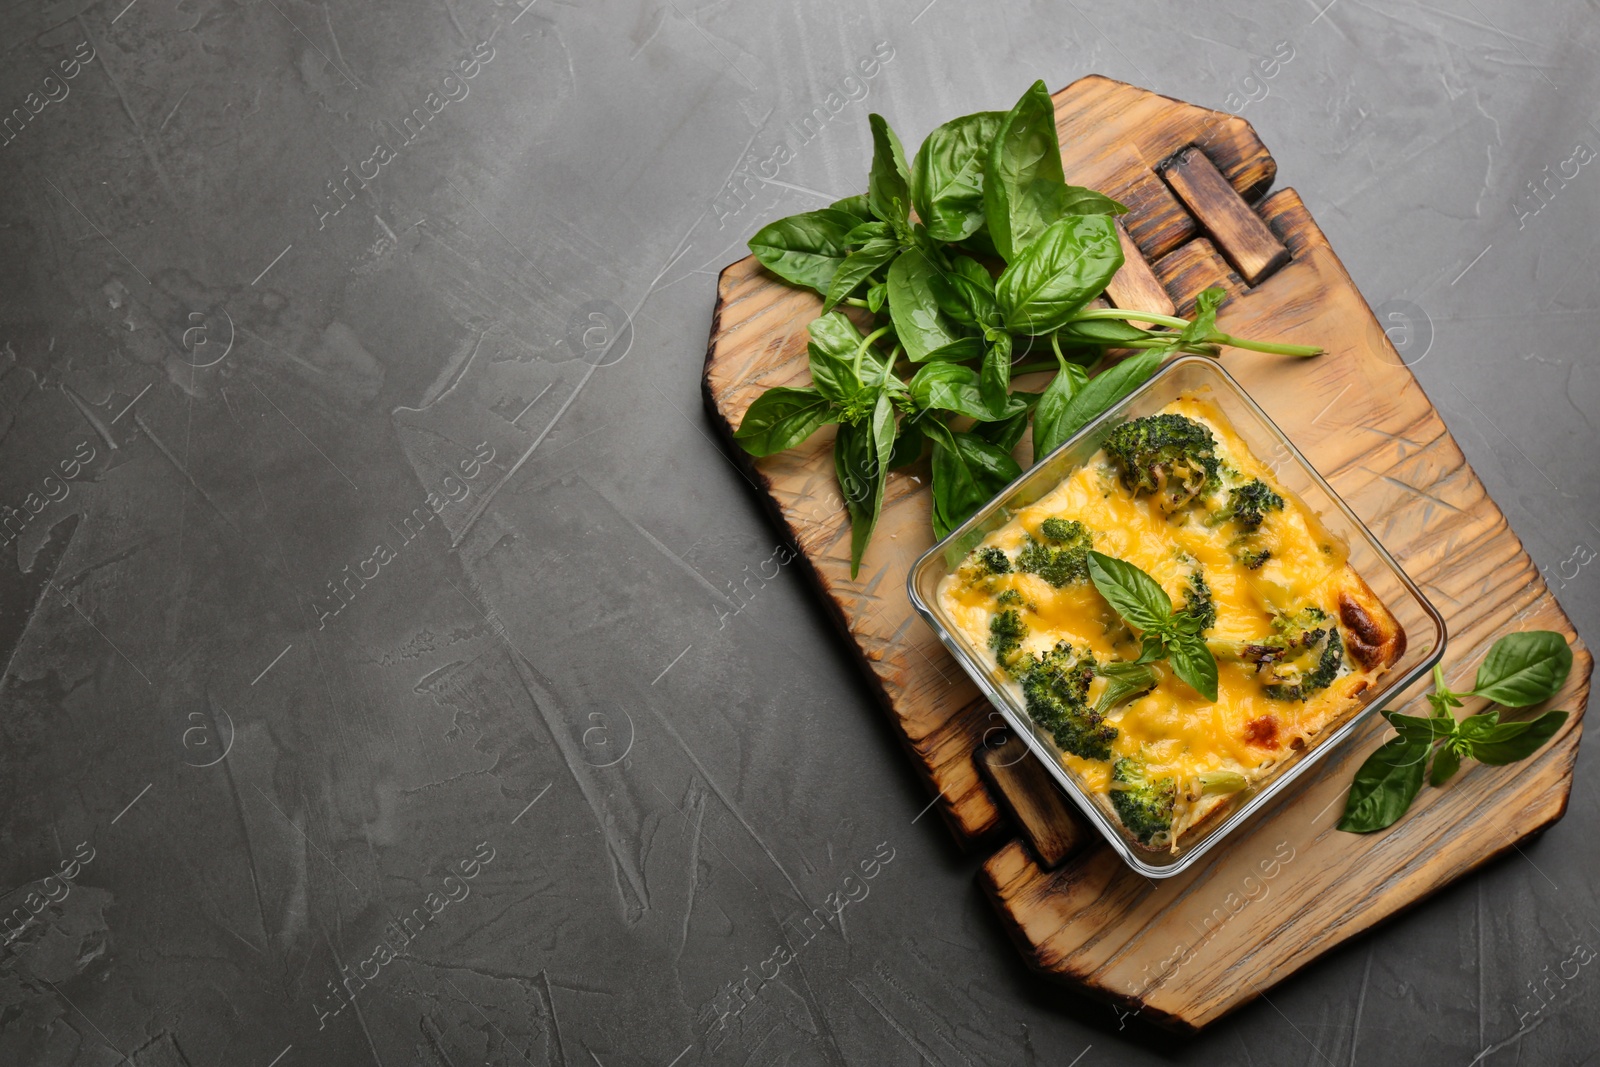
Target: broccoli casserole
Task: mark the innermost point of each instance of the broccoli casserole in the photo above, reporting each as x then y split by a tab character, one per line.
1295	632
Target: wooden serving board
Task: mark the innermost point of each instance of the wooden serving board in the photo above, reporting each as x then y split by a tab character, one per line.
1286	887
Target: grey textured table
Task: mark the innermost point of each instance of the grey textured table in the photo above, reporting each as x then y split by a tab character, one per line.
396	671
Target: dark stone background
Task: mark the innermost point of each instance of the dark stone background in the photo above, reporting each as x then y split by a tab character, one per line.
574	605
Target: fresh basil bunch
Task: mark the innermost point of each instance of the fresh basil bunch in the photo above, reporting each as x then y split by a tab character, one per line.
965	259
1521	670
1164	633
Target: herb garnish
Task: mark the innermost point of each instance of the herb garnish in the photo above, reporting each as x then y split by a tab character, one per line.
1521	670
1001	259
1164	633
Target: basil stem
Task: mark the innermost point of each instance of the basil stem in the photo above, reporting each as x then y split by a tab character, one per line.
866	343
1134	315
1263	346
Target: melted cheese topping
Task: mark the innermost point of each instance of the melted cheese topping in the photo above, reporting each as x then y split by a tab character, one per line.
1175	730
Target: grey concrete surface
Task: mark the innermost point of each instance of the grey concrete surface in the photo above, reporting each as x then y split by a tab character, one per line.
535	715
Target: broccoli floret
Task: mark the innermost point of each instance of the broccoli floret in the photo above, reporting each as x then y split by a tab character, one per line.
1124	681
1144	805
1198	604
1326	647
1253	558
1262	653
991	560
1008	596
1303	657
1061	530
1169	455
1006	631
1065	560
1055	687
1217	783
1248	505
1302	627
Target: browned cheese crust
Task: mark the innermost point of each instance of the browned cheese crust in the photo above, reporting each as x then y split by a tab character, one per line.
1373	636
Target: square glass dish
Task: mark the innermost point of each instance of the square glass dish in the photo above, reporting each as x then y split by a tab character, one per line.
1203	379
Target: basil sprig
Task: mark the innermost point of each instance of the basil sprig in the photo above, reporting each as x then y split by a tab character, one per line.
1164	633
961	264
1521	670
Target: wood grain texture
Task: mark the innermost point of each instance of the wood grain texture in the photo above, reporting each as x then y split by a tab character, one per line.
1136	284
1189	269
1287	886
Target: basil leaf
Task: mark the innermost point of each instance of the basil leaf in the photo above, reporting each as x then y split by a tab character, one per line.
1192	661
1105	389
974	272
781	418
1508	742
1195	337
861	457
1446	761
1044	200
994	379
839	338
980	244
1058	274
948	387
1204	321
876	297
888	188
1524	668
1419	729
961	349
883	435
1026	149
1005	433
1135	595
1385	786
834	341
854	205
1107	332
1477	727
867	231
965	301
908	446
947	175
857	267
918	322
805	249
835	333
854	465
1058	200
833	377
1152	647
1032	197
953	387
967	472
1049	425
832	355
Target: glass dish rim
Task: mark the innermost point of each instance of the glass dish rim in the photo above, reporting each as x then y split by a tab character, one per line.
1063	778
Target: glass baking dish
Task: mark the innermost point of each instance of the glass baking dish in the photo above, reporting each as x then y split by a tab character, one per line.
1202	378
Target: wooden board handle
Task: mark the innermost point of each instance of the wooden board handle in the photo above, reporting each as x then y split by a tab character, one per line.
1238	231
1051	826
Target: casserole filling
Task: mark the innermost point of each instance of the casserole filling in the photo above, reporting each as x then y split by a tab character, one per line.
1296	633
